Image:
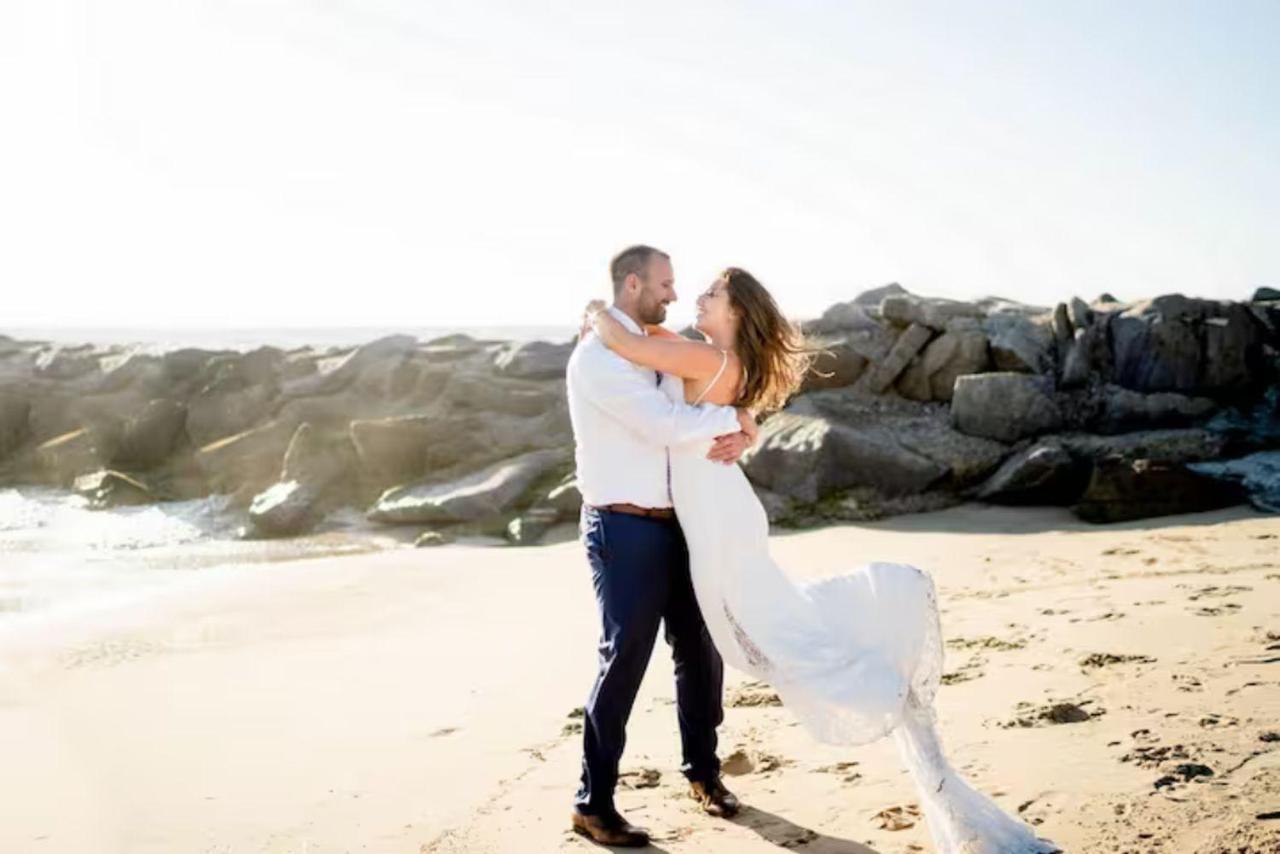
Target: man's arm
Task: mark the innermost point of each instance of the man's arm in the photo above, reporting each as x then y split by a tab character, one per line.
642	407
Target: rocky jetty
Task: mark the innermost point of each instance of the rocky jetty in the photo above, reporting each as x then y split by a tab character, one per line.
1119	410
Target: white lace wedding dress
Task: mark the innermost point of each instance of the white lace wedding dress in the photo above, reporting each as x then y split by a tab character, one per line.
855	657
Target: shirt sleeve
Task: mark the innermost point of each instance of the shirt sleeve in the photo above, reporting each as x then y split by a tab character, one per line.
622	393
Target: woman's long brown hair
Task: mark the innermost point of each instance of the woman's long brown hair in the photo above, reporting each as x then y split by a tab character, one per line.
775	356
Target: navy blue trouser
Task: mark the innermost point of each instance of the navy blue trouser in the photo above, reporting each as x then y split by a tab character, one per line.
640	567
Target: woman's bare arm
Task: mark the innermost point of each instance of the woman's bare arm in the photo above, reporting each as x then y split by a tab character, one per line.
670	353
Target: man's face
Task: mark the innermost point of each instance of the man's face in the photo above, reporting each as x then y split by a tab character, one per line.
657	288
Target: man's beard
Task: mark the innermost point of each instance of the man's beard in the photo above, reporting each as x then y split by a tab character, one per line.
653	314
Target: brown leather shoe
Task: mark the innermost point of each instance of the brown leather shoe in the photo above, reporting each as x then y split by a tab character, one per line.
715	798
610	830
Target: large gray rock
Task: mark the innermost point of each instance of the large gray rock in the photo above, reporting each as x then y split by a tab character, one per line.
150	435
14	409
1169	445
839	364
63	458
106	488
1044	473
962	349
1175	343
1004	406
1258	474
832	441
1123	410
1120	490
465	392
246	463
218	412
1087	356
534	360
1019	342
284	509
400	450
931	312
881	375
486	494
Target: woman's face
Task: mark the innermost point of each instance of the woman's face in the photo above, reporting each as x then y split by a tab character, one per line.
715	313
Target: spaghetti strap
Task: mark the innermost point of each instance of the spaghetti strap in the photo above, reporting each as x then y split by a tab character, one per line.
724	360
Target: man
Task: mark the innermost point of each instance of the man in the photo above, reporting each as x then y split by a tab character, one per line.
623	422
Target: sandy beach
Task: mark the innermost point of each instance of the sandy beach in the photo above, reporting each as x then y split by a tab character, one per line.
1117	686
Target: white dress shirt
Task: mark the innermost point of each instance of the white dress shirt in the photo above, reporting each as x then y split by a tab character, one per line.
623	423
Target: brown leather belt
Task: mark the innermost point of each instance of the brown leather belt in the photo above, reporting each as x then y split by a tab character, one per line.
636	510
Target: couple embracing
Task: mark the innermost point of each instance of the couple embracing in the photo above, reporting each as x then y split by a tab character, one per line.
675	536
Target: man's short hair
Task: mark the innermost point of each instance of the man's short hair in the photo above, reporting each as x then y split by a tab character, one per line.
633	259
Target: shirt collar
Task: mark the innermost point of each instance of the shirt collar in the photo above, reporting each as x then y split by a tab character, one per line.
626	320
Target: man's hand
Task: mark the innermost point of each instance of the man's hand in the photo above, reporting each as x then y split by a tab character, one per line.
728	449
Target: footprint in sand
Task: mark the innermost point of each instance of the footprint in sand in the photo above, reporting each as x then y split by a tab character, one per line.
986	642
741	762
844	769
1216	610
1097	660
897	817
1031	715
1186	682
644	778
752	694
1213	591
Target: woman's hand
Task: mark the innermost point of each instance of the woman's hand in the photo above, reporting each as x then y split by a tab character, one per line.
589	315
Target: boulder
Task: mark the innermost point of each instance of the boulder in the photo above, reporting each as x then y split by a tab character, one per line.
872	297
1257	474
1250	427
1170	445
1265	294
480	496
284	509
1087	356
149	436
962	349
841	317
1080	313
1019	343
1044	473
428	539
106	488
881	375
565	499
534	360
316	457
68	363
246	463
531	526
1174	343
1120	490
1063	331
65	457
1123	410
14	409
227	410
1004	406
832	441
839	364
465	392
934	313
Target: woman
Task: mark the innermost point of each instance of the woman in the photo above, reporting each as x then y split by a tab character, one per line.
856	656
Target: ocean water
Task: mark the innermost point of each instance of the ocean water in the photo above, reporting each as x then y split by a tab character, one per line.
60	560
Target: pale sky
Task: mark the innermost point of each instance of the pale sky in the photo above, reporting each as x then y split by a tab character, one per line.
226	163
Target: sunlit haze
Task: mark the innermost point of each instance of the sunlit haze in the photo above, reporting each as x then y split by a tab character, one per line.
378	162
